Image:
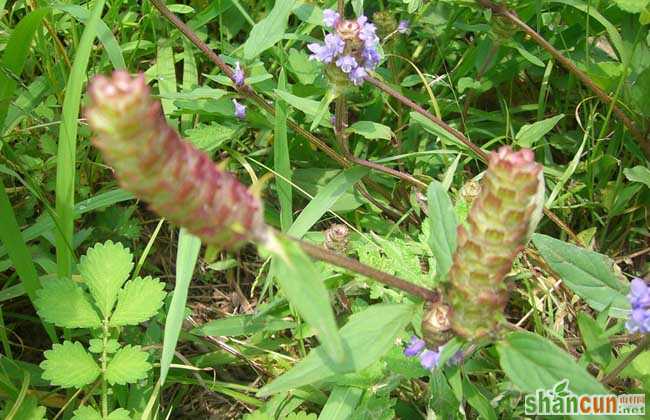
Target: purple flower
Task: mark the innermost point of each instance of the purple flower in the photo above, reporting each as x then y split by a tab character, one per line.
415	347
429	359
357	75
346	63
333	46
403	26
639	298
639	295
238	75
240	109
371	58
368	33
330	18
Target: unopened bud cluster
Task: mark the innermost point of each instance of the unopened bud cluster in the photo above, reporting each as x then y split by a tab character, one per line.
351	50
151	160
496	231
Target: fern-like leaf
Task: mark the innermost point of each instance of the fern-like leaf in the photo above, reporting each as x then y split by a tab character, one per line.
62	302
104	268
127	366
138	301
69	365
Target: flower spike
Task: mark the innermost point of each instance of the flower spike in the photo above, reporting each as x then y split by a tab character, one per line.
152	161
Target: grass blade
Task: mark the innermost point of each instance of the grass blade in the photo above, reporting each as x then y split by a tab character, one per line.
325	199
14	56
67	148
186	256
18	252
281	158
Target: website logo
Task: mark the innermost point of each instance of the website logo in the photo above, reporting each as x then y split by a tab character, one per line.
562	401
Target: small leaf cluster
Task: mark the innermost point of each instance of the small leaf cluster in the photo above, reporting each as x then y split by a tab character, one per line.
101	300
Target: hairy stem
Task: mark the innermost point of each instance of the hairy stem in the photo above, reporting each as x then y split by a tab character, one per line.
571	68
323	254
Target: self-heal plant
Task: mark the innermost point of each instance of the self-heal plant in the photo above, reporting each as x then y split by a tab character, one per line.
639	298
105	302
351	51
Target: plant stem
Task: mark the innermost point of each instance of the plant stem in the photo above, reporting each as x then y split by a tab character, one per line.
571	68
105	336
645	343
323	254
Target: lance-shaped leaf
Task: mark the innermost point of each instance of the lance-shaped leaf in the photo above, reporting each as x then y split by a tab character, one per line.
69	365
129	365
63	303
138	301
442	227
104	268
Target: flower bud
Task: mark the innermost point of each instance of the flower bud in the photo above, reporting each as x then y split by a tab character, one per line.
151	160
497	229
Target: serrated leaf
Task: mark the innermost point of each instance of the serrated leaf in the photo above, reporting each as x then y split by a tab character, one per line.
138	301
269	30
62	302
588	274
119	414
104	268
97	345
367	336
69	365
86	413
128	365
442	227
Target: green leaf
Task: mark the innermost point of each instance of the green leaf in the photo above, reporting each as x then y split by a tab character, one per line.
104	268
96	345
186	256
633	6
639	174
63	303
367	336
598	346
442	227
139	300
532	362
267	32
69	365
282	159
86	413
309	107
119	414
341	403
588	274
128	365
304	287
530	134
477	400
323	108
209	137
28	409
325	199
371	130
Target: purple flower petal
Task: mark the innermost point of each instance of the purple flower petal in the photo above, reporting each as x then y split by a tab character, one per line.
240	109
346	63
639	295
357	75
415	346
334	43
371	58
403	26
429	359
238	75
330	18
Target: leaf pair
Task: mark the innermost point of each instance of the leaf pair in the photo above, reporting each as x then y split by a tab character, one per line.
104	269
